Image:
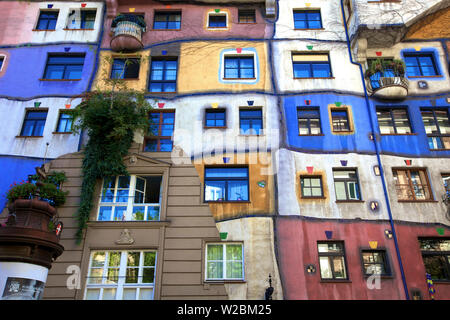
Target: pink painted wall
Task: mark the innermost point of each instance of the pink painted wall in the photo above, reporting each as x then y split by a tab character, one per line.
192	23
17	22
297	247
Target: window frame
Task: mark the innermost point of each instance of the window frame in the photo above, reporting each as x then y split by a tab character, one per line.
167	14
215	110
159	137
27	111
261	130
437	253
61	114
133	60
410	185
75	55
47	11
217	14
333	254
312	108
346	181
386	262
417	55
390	110
121	284
239	58
244	13
164	59
436	123
307	21
226	180
224	262
347	118
304	176
310	64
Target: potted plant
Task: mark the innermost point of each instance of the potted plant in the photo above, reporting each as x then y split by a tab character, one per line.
380	65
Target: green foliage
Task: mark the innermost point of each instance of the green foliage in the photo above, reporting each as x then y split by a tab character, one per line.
21	191
110	118
381	64
55	196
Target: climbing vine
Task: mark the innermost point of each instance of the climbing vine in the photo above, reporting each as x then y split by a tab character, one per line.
110	119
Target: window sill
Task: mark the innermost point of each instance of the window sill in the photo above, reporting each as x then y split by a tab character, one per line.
312	135
383	276
67	29
43	30
66	80
307	29
224	281
165	30
227	201
243	79
56	132
312	198
29	137
420	77
250	135
442	281
349	201
154	92
315	78
128	224
418	201
385	1
398	134
225	127
439	149
126	79
342	132
335	281
246	22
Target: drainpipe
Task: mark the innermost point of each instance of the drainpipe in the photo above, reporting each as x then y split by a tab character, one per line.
391	221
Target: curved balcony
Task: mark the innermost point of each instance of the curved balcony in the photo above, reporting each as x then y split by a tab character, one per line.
127	33
386	85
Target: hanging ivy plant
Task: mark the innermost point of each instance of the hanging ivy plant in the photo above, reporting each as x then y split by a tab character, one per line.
110	119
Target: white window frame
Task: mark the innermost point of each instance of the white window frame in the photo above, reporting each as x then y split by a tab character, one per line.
224	269
120	285
128	214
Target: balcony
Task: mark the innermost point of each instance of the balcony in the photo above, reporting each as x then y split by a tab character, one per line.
386	79
127	32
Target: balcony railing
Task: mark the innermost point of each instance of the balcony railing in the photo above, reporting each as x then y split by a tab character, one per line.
127	33
388	85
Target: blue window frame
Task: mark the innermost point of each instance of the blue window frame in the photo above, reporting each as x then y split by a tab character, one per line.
125	68
226	184
167	20
239	67
215	118
307	19
47	20
217	21
161	129
163	75
250	121
64	67
309	121
316	65
420	65
64	122
33	125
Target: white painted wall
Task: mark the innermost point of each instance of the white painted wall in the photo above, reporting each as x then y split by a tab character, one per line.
13	114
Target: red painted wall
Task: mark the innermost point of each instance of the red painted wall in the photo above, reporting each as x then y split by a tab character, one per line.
192	23
297	248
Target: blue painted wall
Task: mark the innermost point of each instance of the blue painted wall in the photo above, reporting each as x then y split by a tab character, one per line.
27	65
15	169
407	145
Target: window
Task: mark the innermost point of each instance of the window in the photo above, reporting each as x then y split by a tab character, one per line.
346	185
375	262
446	182
436	257
125	68
47	20
246	16
242	67
308	121
412	184
250	121
64	67
2	59
311	186
393	121
307	19
132	198
217	21
161	130
82	19
64	122
224	261
215	118
226	184
311	65
437	128
339	120
33	125
121	275
332	261
420	65
163	75
167	20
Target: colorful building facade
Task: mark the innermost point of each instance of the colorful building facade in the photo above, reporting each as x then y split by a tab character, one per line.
307	143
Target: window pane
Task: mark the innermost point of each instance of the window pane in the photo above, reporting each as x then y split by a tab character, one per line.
234	252
149	258
226	172
215	252
302	70
401	121
119	213
138	213
340	190
385	122
129	294
215	270
109	294
104	213
435	266
98	259
215	191
237	191
234	270
133	259
96	276
145	294
92	294
335	247
443	121
321	70
339	268
148	275
325	268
